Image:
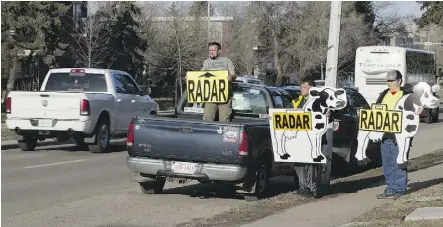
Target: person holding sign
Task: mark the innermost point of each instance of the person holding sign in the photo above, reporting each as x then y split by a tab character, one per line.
307	174
396	177
217	63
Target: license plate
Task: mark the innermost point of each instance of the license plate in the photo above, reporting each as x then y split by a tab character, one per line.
45	123
184	167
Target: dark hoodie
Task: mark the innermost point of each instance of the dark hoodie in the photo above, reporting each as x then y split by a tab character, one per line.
407	89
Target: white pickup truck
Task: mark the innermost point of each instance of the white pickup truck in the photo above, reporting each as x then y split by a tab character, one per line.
88	105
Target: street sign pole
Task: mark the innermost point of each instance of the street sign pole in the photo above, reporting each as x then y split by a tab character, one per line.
331	79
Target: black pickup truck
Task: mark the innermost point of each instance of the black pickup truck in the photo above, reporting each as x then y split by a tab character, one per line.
183	146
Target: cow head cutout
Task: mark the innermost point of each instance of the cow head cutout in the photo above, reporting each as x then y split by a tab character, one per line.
421	97
329	98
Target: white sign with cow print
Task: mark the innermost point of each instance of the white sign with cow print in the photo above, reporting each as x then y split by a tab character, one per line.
297	133
411	106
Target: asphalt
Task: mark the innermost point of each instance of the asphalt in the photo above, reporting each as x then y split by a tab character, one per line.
60	185
57	186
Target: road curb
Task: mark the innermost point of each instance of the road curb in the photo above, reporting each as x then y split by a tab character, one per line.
13	144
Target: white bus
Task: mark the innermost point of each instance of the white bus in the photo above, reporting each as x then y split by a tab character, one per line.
373	62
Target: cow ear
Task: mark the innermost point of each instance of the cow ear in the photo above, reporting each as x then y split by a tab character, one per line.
314	93
340	91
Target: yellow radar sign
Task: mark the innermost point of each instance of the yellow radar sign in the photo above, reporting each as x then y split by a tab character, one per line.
207	86
380	120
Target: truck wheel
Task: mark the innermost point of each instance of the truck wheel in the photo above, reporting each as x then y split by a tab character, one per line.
153	187
436	115
102	142
261	182
28	143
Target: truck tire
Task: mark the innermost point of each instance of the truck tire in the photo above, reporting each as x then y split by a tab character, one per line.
28	143
153	187
436	115
102	135
261	185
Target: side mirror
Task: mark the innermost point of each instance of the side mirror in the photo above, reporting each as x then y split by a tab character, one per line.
145	91
435	88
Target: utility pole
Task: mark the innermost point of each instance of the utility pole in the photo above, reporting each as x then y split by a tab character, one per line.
333	44
331	80
209	19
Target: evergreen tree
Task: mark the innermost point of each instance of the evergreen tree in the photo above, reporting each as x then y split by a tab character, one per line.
433	14
34	26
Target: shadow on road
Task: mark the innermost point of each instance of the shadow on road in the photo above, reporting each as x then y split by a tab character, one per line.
74	148
278	186
413	187
356	185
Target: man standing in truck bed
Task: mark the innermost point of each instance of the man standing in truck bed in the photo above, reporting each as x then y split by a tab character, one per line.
217	63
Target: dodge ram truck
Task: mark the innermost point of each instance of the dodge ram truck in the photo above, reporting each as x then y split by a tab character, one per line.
88	105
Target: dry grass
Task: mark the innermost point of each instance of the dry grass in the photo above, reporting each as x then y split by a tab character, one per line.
256	210
6	133
393	213
397	223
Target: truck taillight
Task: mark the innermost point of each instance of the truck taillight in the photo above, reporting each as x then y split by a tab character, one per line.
244	144
130	138
77	71
8	104
84	107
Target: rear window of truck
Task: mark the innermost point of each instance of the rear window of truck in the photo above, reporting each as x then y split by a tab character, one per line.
87	82
247	101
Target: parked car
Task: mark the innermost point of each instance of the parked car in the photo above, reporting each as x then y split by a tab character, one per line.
89	105
293	90
249	80
345	135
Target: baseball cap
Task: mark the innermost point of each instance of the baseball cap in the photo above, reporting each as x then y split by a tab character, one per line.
393	75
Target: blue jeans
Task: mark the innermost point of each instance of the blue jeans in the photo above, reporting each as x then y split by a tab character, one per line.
396	178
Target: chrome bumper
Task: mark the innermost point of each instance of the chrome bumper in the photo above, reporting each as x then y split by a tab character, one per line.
212	172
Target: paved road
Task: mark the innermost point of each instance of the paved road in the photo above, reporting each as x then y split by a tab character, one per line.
61	186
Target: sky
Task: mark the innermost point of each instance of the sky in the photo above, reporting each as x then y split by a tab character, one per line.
405	8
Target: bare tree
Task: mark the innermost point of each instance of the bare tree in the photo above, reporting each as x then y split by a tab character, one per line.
90	37
241	36
179	41
387	20
300	42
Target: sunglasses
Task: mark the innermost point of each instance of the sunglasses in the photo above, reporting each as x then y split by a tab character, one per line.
392	80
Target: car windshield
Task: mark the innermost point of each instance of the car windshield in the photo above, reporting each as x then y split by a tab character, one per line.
88	82
247	101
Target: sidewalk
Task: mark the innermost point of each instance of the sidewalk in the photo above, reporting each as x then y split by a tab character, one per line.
342	209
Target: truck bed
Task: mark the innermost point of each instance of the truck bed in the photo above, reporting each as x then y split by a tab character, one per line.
183	139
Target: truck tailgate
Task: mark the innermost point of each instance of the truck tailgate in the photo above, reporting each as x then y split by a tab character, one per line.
51	105
187	140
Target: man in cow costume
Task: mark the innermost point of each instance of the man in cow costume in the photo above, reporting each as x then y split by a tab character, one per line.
307	173
321	102
396	175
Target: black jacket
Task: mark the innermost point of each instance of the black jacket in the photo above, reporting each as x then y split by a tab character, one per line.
407	89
